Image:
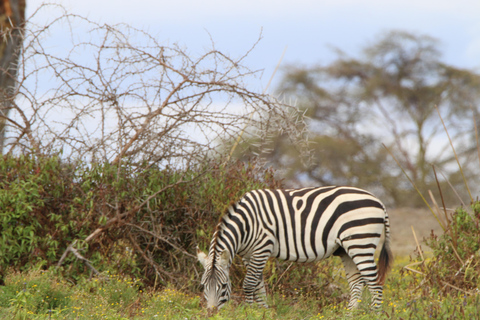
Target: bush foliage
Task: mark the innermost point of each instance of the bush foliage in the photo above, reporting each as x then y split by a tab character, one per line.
455	264
142	222
148	220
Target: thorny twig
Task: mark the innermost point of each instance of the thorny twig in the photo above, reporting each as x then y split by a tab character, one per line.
71	248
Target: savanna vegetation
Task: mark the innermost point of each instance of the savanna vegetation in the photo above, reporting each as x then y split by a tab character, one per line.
144	268
101	209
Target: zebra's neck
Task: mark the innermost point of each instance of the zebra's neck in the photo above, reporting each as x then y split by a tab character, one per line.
224	239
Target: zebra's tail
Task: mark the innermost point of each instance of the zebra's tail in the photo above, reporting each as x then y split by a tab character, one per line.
386	257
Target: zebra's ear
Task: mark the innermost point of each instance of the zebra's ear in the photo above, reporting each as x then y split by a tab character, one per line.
201	256
224	259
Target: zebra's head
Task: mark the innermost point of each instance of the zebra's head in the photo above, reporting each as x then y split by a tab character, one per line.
216	281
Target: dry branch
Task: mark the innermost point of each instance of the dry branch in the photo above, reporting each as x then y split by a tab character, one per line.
162	239
71	248
124	96
159	271
118	219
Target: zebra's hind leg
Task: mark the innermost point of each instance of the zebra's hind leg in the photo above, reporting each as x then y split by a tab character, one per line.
253	285
354	278
369	272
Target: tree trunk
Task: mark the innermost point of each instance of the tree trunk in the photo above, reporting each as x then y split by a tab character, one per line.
12	24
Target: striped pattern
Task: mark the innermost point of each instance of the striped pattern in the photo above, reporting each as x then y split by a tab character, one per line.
303	225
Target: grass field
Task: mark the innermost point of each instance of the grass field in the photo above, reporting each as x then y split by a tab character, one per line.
41	294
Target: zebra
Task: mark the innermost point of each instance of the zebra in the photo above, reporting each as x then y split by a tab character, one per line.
303	225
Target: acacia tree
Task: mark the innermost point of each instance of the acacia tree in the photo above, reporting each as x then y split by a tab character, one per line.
388	95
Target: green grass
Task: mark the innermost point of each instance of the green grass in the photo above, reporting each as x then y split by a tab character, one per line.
46	295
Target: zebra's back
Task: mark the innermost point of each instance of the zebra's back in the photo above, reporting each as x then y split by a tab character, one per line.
307	224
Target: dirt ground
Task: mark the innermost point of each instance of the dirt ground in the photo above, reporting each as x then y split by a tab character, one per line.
401	222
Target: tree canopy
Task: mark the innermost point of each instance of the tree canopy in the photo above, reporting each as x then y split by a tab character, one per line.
388	95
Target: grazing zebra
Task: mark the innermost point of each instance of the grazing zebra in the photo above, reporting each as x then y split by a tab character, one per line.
303	225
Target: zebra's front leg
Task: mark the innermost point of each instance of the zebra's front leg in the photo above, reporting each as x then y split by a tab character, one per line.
253	285
261	294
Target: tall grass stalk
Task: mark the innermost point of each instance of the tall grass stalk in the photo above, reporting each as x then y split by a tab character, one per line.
455	154
414	186
476	132
441	194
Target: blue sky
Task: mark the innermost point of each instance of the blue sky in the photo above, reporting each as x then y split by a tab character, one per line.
309	29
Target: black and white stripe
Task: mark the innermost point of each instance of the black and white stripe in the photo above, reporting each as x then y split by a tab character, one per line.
303	225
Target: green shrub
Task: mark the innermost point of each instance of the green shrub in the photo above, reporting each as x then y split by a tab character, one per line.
149	220
455	264
34	218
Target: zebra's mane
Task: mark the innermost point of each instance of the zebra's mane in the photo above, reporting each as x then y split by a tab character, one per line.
226	209
218	228
217	233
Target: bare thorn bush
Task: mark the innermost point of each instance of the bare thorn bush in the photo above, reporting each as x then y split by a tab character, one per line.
114	93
